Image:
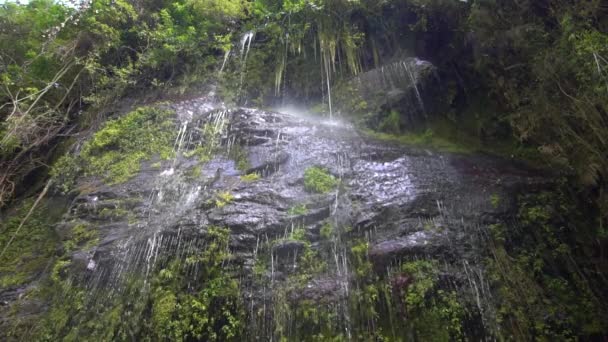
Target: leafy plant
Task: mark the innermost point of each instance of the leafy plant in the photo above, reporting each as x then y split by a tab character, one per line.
318	180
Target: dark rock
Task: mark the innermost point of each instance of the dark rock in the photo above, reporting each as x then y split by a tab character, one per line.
405	203
288	249
410	86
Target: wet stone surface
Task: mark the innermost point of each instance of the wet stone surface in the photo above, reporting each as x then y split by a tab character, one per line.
405	203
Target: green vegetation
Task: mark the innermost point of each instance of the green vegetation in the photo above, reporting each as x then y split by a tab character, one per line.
116	151
318	180
425	139
208	145
82	238
63	68
524	79
495	200
298	210
214	312
239	155
195	172
31	249
436	317
391	124
172	307
250	178
223	198
327	231
546	287
410	302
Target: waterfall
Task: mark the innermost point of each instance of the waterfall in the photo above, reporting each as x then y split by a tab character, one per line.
415	85
246	44
246	40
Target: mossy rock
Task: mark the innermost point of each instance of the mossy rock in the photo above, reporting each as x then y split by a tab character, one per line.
116	151
319	180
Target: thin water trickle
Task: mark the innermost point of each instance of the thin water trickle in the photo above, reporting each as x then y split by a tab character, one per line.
246	44
246	40
226	57
415	85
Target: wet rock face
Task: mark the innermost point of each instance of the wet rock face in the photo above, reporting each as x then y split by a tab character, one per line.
405	203
410	86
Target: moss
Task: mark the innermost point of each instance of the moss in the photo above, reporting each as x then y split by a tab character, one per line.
213	312
195	172
301	319
425	273
32	247
116	151
435	314
65	171
113	213
223	198
461	135
82	237
298	234
318	180
495	200
260	268
424	139
175	305
209	145
392	123
250	178
358	253
203	154
327	230
298	210
163	307
240	157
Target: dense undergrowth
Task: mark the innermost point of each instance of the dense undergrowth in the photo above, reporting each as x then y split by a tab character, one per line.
169	306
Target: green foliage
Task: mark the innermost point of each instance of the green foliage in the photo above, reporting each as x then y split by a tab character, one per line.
81	237
539	276
172	306
318	180
240	157
65	171
210	142
425	273
298	210
195	172
116	151
214	313
250	178
298	234
223	198
327	230
495	200
427	139
32	247
391	124
360	259
65	67
435	314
